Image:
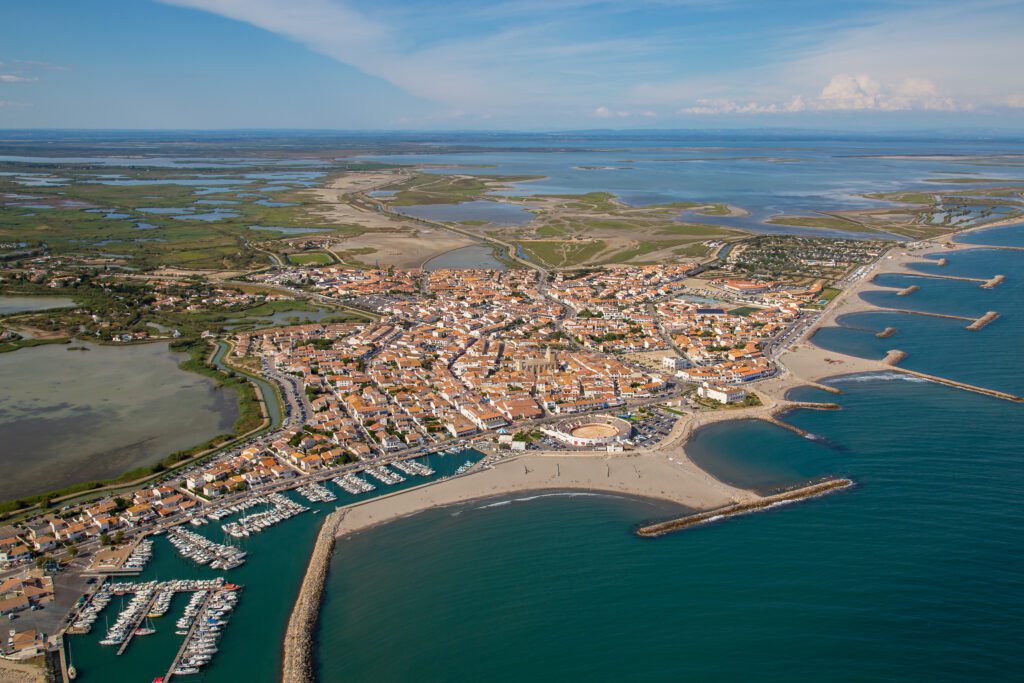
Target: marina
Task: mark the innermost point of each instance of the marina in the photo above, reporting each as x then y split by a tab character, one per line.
315	493
250	648
202	550
350	483
385	476
283	508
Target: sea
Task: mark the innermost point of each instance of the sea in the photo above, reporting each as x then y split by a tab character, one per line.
915	574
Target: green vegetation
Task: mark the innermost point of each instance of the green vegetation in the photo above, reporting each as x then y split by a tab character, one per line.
714	210
116	224
433	188
318	258
744	310
562	254
904	197
829	293
821	221
15	344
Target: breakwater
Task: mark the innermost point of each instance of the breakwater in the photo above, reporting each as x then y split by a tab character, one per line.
803	493
298	638
886	333
894	356
983	321
909	290
989	284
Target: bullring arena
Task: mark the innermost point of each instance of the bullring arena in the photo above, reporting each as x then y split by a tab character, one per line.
591	431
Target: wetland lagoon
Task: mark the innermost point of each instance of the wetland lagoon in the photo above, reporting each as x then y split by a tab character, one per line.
69	416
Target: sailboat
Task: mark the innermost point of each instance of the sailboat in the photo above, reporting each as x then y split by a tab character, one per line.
146	630
72	671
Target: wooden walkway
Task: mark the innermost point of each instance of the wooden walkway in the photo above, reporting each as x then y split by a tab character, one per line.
138	621
188	638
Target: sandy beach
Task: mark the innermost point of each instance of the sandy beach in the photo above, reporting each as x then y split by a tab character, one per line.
648	475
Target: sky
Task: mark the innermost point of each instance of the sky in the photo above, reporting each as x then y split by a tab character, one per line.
511	64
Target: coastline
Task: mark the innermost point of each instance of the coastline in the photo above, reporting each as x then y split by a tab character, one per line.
665	472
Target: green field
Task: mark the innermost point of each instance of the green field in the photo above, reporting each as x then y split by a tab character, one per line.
313	258
562	254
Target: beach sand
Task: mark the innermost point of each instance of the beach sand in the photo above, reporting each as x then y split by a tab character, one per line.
646	475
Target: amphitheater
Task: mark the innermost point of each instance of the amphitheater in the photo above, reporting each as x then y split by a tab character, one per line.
591	431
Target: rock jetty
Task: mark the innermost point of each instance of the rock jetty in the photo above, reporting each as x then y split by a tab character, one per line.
298	639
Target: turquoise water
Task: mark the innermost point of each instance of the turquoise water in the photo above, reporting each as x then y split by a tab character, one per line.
988	357
250	649
914	575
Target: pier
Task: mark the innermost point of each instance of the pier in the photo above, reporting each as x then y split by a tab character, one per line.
803	493
188	638
138	620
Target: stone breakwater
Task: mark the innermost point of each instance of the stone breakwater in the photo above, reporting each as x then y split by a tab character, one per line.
298	639
887	332
803	493
982	321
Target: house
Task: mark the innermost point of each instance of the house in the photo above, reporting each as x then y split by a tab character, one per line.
459	426
484	418
721	394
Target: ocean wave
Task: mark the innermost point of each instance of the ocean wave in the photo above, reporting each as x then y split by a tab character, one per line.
563	494
877	376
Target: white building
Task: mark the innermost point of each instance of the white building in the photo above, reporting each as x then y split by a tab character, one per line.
673	363
722	394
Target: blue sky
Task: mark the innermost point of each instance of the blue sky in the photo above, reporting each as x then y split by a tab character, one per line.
510	64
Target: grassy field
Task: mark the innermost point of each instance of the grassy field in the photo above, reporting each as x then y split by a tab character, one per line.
562	254
317	258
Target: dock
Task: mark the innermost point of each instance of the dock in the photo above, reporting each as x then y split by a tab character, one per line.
137	622
803	493
188	638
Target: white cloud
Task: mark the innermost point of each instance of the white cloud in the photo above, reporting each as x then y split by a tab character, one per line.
12	78
711	107
1014	101
957	57
604	112
521	57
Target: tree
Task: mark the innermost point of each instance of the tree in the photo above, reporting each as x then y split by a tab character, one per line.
104	539
119	537
73	551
